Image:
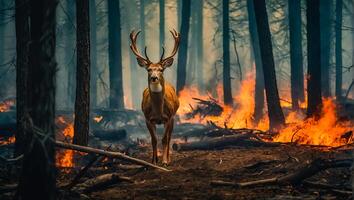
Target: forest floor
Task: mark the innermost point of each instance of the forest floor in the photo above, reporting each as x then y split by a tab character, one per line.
193	171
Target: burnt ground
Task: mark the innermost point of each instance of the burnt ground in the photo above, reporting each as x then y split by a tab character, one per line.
192	172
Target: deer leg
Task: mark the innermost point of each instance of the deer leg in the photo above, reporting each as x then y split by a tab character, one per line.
152	129
166	141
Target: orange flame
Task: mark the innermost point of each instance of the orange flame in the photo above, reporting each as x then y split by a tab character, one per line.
6	105
325	131
9	140
64	158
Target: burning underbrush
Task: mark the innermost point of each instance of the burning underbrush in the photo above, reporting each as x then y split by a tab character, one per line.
328	130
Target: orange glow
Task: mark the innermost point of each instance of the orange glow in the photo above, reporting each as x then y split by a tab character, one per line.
97	119
64	158
327	130
9	140
5	105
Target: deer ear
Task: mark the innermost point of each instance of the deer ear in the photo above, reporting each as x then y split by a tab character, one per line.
167	63
141	62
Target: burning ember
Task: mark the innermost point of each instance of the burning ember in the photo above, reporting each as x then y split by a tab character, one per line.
327	131
9	140
97	119
64	158
6	105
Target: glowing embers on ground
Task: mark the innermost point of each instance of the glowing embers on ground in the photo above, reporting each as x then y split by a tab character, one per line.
327	130
64	158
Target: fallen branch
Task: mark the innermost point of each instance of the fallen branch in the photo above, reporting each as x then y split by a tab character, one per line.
294	178
110	154
248	139
101	182
11	159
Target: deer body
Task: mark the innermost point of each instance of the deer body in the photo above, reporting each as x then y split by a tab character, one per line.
160	101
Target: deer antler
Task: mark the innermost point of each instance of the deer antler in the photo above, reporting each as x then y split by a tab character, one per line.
176	37
139	57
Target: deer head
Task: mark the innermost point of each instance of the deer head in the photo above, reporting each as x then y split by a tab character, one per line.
155	70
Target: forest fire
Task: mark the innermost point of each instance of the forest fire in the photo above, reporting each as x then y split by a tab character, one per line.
9	140
64	158
326	131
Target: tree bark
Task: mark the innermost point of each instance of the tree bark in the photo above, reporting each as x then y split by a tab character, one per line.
297	77
93	53
116	96
314	105
70	53
325	25
226	53
275	113
22	66
259	86
82	101
162	24
38	163
200	44
182	54
339	17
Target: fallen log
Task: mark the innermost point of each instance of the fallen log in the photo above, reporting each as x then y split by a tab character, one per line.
101	182
248	139
107	153
294	178
110	134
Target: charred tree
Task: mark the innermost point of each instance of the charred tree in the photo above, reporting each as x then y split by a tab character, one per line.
116	96
226	53
162	24
275	113
338	49
297	77
325	26
38	172
200	45
314	104
259	86
22	66
93	53
82	101
182	54
70	53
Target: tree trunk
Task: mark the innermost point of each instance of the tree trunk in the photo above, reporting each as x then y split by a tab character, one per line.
226	53
70	53
93	53
352	91
162	24
339	16
297	77
314	105
200	44
22	66
275	113
116	96
38	172
82	101
259	86
325	25
182	55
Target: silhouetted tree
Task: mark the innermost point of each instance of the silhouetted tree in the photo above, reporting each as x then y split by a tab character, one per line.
22	66
325	25
82	101
93	53
339	18
162	24
259	86
314	105
275	113
116	97
226	53
297	77
182	54
199	43
38	172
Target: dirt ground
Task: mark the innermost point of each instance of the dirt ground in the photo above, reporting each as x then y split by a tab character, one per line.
193	171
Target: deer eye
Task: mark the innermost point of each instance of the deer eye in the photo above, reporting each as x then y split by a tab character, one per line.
149	70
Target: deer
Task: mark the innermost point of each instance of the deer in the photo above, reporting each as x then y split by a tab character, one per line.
160	101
